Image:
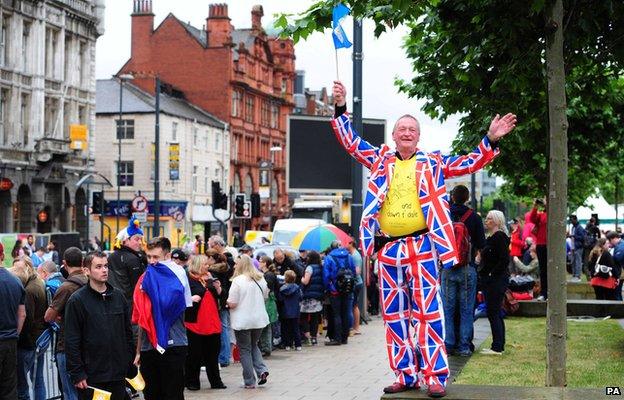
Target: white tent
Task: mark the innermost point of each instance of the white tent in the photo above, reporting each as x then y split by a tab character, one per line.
606	213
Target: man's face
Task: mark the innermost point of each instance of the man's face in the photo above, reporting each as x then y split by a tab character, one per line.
279	256
216	246
406	134
98	271
134	242
31	240
156	255
613	242
42	273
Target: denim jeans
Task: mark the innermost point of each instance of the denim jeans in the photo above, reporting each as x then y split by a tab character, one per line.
226	348
68	388
459	288
26	367
577	264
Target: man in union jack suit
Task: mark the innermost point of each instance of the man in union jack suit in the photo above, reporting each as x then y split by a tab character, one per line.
406	220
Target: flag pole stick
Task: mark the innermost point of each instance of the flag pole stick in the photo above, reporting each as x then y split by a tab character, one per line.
337	75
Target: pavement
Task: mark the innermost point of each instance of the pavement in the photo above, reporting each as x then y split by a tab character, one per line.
358	370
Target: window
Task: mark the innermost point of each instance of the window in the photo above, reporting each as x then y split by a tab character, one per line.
4	128
82	115
206	180
217	145
274	116
195	137
50	52
83	70
237	103
125	130
51	116
126	173
26	46
25	117
264	113
195	168
284	85
249	108
4	40
174	131
66	118
67	60
217	174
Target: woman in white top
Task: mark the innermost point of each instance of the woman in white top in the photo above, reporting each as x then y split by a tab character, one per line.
248	317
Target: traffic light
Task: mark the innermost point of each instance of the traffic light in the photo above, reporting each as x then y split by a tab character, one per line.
96	203
219	199
255	205
239	205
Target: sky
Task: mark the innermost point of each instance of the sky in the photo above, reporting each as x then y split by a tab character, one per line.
384	58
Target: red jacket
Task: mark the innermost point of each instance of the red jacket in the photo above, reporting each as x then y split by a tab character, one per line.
517	244
540	219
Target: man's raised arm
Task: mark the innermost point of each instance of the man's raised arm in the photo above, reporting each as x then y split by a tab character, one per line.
365	153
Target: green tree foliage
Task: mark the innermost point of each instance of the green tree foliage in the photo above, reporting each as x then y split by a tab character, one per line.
479	57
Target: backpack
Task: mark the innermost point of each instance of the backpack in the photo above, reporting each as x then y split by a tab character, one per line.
345	281
462	240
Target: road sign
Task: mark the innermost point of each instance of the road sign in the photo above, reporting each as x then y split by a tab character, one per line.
140	216
139	204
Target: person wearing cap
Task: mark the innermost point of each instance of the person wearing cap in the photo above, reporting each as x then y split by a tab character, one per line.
617	244
128	262
180	257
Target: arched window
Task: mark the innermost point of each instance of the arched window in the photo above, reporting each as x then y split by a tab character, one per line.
248	185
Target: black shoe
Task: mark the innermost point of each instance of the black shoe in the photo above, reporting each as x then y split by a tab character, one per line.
220	386
332	343
192	387
224	365
263	378
344	342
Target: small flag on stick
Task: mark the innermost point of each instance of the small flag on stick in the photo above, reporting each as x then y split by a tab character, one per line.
99	394
339	13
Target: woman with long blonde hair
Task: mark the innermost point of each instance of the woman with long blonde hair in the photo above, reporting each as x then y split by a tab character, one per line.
248	317
203	326
494	274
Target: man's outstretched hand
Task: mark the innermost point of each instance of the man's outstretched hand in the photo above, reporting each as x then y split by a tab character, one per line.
500	126
340	93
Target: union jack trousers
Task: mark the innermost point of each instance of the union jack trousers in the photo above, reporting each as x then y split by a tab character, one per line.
410	296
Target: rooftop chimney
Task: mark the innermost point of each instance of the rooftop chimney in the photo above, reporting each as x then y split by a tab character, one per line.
142	7
142	28
257	12
218	27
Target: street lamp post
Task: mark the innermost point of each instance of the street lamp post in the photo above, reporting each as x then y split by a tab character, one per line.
272	150
122	78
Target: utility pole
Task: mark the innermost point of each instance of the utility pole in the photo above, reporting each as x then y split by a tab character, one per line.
356	167
156	230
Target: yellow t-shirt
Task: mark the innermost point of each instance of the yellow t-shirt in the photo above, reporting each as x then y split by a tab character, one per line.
401	213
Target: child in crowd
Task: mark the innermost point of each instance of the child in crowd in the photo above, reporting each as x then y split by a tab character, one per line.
290	294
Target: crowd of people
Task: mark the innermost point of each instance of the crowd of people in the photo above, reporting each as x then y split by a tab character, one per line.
168	313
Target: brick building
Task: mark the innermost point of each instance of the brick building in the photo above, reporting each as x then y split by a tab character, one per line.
242	76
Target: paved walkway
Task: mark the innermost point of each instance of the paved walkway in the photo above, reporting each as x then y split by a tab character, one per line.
356	371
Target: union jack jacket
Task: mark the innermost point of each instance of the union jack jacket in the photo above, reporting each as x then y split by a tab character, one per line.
431	170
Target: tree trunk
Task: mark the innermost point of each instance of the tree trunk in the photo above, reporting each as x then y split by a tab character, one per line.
557	198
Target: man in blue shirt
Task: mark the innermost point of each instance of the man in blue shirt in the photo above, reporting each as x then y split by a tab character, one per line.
578	232
12	316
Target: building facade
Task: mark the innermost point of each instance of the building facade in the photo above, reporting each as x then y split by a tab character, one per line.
194	152
485	183
47	85
242	76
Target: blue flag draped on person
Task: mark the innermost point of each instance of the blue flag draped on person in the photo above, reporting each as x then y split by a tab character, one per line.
339	13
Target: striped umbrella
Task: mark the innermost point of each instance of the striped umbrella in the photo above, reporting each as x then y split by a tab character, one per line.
318	238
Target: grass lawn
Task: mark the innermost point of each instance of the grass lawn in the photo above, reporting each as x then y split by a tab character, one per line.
595	356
